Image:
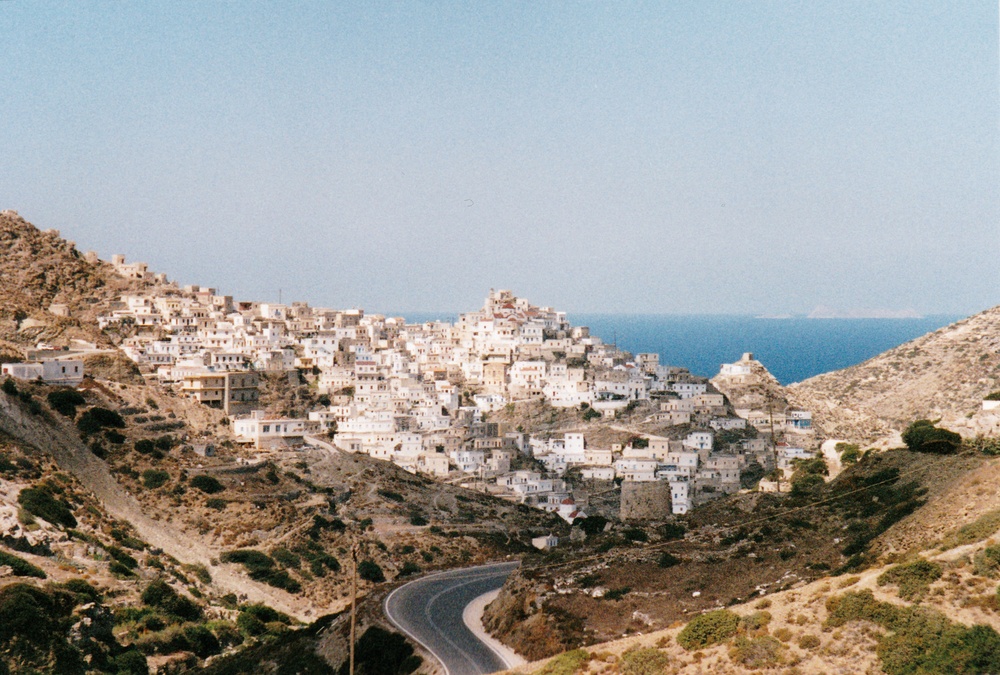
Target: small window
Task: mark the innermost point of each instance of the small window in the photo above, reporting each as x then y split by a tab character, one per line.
267	428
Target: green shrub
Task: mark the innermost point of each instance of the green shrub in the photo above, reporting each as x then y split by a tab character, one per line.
36	632
920	640
320	524
754	622
127	540
161	595
409	567
165	443
261	567
418	520
250	625
809	641
265	614
114	437
667	559
144	446
207	484
804	484
755	653
859	606
121	557
981	528
381	651
923	436
984	445
20	566
119	570
592	525
635	534
286	558
40	501
65	401
200	572
391	496
849	453
96	418
617	593
203	642
370	571
249	558
708	629
81	588
320	562
9	386
987	562
672	531
567	663
914	578
643	661
154	478
131	662
216	503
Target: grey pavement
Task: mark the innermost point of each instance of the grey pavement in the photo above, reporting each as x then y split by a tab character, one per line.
430	611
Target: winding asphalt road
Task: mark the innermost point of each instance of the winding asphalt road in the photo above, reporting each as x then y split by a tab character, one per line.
430	611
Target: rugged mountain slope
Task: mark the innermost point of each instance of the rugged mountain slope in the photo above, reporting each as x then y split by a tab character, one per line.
736	548
933	613
292	516
759	390
944	374
40	268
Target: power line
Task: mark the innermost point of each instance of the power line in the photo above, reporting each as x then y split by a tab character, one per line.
695	538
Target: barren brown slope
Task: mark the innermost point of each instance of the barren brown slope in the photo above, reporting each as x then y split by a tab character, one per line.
944	374
40	268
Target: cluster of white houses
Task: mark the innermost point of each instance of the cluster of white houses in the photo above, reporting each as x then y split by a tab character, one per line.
419	395
695	468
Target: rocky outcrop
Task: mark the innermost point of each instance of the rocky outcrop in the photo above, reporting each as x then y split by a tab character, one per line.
645	501
40	270
757	389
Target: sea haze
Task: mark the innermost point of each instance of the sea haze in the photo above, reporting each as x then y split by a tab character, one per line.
792	349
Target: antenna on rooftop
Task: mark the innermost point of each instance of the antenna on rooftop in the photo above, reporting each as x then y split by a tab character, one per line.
279	296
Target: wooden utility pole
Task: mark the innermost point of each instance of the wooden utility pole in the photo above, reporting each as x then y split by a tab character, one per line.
354	598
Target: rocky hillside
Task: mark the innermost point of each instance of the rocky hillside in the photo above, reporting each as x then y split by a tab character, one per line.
228	531
186	555
632	580
944	374
935	611
759	390
40	268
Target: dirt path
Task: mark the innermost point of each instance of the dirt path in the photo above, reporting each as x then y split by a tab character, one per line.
60	440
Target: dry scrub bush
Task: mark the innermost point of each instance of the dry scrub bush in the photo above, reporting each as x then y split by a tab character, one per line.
913	579
754	653
568	663
646	661
709	629
808	641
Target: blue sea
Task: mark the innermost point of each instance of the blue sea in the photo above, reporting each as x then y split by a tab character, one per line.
792	349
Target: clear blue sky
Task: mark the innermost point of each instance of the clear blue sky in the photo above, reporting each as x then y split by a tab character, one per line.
757	157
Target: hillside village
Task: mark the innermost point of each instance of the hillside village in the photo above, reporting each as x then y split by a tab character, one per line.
422	395
304	417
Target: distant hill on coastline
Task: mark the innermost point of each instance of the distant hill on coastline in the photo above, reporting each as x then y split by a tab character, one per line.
824	312
943	374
